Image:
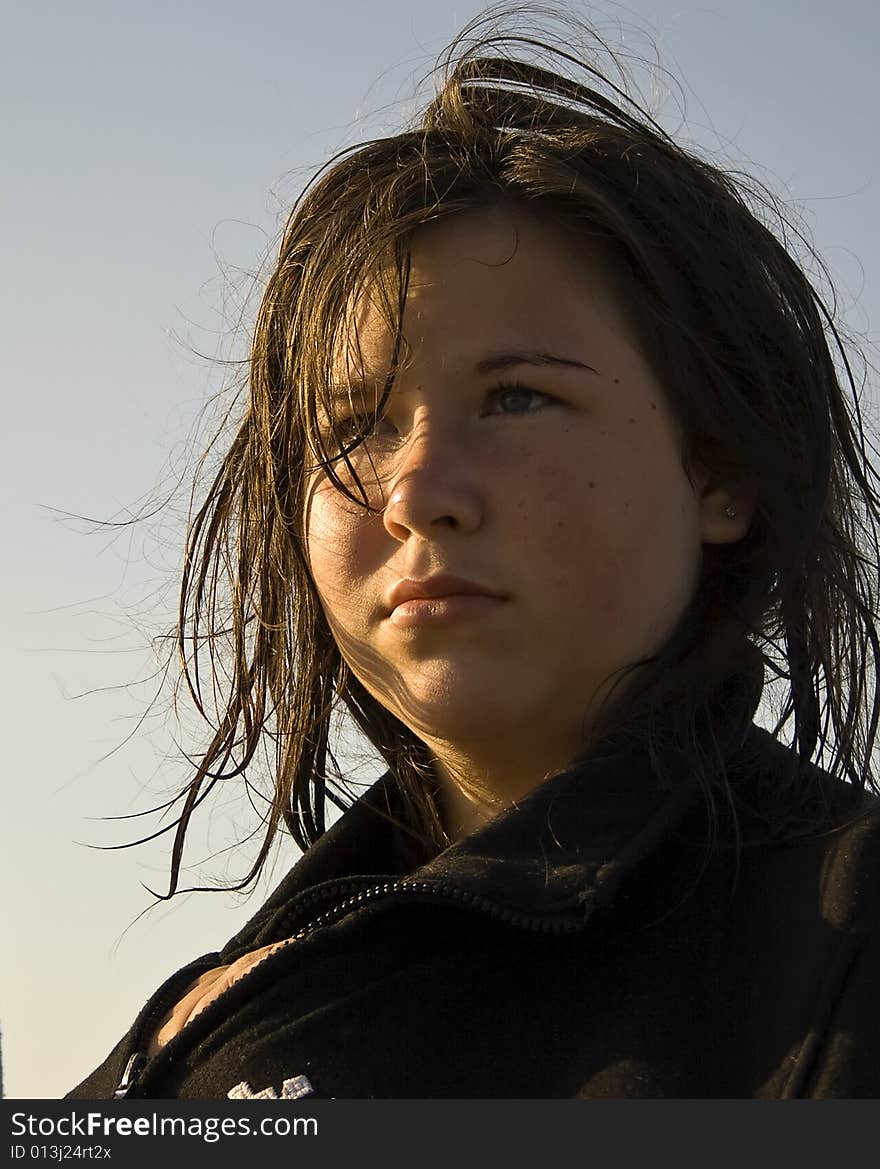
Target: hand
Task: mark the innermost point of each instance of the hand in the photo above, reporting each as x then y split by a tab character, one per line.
204	990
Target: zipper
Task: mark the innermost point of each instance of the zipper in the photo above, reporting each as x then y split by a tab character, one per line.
130	1076
430	890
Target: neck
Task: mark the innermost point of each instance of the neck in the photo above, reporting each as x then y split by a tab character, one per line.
476	785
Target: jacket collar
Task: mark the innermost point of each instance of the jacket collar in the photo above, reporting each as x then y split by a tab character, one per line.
569	841
565	847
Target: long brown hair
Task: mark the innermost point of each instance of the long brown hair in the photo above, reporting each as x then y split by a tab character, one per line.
756	372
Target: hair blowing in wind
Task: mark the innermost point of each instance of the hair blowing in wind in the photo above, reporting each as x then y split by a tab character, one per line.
758	374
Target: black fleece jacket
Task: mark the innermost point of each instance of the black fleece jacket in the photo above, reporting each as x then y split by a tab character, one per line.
581	944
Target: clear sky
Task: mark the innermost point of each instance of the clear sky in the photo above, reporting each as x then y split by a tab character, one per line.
150	153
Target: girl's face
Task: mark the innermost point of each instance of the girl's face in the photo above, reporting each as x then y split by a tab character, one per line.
555	485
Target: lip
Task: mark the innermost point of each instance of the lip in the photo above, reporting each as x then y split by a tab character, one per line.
439	600
431	588
437	612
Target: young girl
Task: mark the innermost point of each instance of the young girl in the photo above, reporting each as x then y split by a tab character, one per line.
545	443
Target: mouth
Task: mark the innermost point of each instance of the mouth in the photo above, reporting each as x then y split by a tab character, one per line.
441	584
444	610
439	599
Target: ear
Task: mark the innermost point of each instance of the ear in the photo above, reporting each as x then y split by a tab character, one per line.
716	525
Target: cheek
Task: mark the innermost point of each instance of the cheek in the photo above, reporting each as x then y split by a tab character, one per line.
329	542
342	559
597	548
574	545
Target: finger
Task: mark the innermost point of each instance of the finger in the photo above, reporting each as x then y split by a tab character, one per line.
176	1018
231	975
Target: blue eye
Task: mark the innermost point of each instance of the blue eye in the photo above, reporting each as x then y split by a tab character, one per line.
522	399
509	399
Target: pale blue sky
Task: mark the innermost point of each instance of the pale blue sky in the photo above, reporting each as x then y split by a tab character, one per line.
150	152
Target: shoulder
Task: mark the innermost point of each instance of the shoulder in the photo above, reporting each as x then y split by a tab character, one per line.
820	837
780	793
802	845
849	878
847	1060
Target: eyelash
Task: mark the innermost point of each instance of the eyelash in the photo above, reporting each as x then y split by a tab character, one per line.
495	392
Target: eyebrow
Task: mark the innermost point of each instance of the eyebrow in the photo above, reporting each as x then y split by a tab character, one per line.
496	361
491	364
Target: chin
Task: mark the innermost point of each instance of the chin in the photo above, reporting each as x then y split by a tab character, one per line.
471	716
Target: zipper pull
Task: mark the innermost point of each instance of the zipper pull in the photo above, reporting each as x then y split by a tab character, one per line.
133	1069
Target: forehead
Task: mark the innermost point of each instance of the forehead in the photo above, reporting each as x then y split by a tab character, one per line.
482	279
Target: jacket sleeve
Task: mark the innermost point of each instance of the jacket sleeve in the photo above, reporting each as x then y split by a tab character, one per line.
848	1063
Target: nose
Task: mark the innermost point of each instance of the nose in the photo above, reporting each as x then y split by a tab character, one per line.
435	486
